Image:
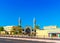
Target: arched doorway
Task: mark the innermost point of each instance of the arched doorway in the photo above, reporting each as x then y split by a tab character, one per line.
28	30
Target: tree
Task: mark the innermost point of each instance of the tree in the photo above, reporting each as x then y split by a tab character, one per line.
17	30
37	27
1	29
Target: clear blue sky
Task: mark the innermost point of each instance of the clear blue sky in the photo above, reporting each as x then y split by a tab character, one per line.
47	12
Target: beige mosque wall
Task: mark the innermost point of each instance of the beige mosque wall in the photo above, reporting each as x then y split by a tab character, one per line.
42	33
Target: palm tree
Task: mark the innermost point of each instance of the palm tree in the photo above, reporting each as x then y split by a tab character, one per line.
37	27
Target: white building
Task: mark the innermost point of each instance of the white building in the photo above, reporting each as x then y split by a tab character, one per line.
49	27
8	28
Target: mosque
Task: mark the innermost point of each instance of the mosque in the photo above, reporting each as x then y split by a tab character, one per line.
28	30
48	31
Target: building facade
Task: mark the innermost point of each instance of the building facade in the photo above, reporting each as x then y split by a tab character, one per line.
49	31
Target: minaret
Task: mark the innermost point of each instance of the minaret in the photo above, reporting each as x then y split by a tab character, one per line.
19	22
34	22
34	25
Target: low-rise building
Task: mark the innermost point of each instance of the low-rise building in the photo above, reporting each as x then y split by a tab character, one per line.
8	29
49	31
49	27
12	29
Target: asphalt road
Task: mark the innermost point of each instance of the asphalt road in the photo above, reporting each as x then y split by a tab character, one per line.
18	41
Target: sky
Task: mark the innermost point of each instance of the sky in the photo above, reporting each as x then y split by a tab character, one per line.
46	12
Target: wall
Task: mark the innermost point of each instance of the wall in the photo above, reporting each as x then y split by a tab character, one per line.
44	33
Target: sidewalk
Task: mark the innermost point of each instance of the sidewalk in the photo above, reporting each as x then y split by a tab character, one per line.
44	40
30	37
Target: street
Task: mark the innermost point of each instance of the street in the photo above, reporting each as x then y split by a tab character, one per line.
2	40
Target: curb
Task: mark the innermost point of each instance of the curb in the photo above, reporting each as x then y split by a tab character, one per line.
53	41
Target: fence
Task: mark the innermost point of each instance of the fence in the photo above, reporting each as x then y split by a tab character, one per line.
26	36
